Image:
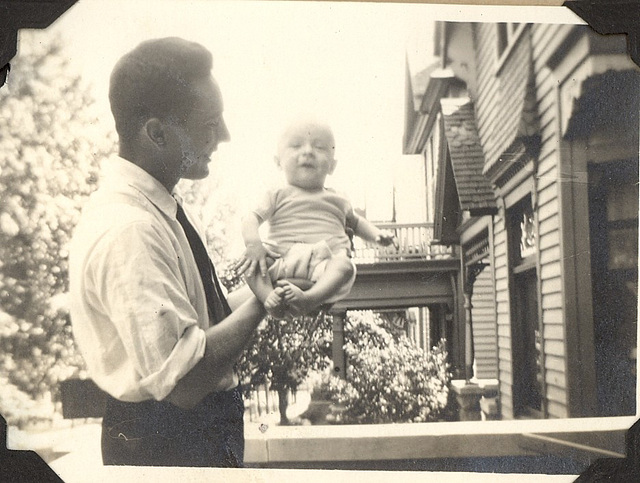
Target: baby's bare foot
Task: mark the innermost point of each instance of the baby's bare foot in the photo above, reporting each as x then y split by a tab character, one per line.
298	300
275	305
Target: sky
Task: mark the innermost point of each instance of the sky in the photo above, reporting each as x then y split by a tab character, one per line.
272	61
343	61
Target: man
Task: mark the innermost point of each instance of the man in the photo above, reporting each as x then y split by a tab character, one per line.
147	310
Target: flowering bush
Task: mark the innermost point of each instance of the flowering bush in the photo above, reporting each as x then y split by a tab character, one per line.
388	379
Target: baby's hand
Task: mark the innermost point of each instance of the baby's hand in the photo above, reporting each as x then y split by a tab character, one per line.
254	258
385	240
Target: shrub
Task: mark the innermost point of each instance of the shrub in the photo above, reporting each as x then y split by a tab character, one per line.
19	409
388	379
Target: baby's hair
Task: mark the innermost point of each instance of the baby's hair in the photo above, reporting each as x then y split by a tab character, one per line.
154	80
305	118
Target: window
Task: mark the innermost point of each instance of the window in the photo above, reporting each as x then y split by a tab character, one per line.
525	328
506	35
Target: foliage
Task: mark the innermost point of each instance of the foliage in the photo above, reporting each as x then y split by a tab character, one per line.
389	378
51	147
19	409
212	203
285	352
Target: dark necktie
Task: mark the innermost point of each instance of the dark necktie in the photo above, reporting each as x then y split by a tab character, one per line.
216	302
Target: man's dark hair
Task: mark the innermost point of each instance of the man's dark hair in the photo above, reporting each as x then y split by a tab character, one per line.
154	80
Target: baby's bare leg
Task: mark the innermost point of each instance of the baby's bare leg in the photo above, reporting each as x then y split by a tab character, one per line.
338	271
263	289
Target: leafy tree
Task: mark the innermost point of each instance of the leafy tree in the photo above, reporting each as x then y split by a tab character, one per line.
51	144
283	353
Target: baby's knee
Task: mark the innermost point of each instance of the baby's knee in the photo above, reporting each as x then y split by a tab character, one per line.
344	265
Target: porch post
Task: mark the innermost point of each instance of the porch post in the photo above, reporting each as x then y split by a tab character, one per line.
338	356
468	336
471	273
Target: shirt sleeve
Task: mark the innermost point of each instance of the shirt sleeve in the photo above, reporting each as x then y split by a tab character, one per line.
140	287
266	206
351	218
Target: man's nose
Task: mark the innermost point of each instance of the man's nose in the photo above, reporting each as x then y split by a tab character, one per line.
223	132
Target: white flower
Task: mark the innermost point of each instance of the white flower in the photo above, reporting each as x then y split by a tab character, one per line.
8	225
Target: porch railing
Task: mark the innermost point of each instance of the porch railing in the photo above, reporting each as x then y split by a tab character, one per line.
412	242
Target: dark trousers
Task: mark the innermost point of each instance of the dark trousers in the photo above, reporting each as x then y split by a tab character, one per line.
157	433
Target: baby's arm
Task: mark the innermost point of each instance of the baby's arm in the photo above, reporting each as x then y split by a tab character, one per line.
368	231
254	259
255	255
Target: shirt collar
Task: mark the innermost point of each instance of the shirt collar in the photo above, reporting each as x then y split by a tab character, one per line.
125	172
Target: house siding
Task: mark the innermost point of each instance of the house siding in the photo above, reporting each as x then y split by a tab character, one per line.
500	97
538	139
484	326
503	315
496	110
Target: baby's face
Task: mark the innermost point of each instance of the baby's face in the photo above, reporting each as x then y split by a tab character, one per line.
305	155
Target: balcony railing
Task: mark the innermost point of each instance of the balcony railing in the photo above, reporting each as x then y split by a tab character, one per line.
412	242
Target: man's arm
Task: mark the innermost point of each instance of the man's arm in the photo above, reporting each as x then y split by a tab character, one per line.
224	344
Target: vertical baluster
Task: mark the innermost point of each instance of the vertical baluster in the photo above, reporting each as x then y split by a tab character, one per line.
415	247
423	240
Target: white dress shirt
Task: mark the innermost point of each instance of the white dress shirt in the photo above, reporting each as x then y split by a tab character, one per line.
138	307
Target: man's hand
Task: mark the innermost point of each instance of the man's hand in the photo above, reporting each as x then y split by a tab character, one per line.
254	258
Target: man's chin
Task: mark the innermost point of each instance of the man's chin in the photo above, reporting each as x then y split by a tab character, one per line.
197	171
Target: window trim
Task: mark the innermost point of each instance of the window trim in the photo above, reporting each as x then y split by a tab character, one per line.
512	41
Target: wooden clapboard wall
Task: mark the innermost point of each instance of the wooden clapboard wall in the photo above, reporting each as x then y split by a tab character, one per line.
499	94
484	326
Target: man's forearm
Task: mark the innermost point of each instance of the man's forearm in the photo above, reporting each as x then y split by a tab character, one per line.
225	342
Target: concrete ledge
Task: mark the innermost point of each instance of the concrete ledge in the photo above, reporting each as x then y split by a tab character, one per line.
585	439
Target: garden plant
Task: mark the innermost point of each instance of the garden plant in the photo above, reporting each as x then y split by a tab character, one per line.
389	379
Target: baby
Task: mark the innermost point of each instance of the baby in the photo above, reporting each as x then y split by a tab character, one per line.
307	222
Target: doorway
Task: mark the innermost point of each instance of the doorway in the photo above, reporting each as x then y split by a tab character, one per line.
613	226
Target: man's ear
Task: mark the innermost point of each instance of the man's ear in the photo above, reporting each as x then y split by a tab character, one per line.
154	131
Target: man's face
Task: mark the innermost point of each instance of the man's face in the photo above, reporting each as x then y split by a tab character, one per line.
199	130
305	155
